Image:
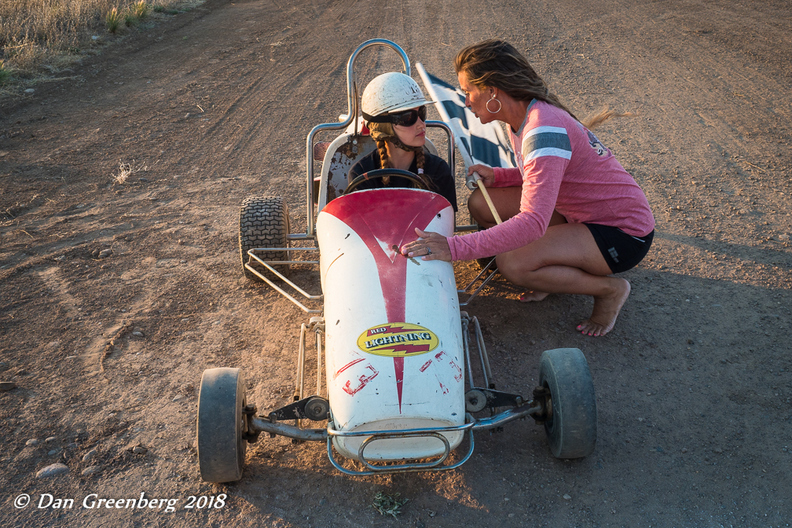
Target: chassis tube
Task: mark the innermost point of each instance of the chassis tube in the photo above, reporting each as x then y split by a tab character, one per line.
507	416
320	435
313	435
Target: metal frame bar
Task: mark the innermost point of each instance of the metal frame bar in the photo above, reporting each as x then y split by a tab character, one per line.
418	465
482	348
317	325
492	269
351	115
299	385
407	467
282	277
486	370
466	347
450	142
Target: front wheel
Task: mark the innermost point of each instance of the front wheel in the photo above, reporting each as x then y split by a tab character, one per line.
221	425
571	405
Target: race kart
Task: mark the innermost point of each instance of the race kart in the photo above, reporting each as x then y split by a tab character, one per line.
392	343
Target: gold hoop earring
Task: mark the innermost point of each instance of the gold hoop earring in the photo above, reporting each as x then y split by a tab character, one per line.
497	101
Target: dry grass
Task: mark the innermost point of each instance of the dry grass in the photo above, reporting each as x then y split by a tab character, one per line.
39	37
125	170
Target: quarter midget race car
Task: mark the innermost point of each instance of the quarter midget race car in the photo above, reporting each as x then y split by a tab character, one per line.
393	346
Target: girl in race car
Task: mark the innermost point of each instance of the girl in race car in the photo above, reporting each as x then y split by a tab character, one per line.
394	109
573	217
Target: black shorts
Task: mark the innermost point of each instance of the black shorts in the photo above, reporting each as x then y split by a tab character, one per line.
621	251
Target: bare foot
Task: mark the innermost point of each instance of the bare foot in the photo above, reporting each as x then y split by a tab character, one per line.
532	295
606	310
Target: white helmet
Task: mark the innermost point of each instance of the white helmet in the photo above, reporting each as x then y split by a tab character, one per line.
391	92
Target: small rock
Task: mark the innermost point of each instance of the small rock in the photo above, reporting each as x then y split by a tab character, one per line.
53	452
32	442
90	470
89	455
21	372
105	253
50	439
783	237
567	497
138	333
52	470
29	91
7	386
4	366
139	450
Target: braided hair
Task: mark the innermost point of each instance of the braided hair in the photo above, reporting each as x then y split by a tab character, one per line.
381	133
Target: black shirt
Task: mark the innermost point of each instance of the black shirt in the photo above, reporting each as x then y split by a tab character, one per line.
436	169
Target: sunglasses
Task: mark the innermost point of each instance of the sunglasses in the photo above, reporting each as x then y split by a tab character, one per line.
405	119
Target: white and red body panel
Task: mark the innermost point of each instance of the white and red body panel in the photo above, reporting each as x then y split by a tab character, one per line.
394	351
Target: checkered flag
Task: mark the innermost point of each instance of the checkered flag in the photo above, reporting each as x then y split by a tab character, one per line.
478	143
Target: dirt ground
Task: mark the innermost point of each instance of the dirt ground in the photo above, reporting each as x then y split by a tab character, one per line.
115	296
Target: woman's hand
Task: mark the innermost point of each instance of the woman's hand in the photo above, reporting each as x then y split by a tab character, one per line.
486	172
430	246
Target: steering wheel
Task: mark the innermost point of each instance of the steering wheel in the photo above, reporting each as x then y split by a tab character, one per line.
378	174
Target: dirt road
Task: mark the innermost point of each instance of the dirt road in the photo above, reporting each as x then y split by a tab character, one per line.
115	296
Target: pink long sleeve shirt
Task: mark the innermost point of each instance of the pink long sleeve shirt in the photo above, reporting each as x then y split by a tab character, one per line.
563	167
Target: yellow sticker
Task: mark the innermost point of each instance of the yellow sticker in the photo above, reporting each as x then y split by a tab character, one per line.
397	340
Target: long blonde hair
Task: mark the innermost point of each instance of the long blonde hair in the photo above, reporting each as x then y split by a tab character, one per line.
497	64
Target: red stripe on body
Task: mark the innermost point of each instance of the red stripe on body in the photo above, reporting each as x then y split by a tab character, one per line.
384	218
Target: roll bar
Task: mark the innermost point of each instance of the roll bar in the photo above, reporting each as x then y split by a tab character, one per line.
347	119
351	115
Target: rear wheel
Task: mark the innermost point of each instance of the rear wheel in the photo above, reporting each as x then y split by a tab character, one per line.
571	405
264	223
221	425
